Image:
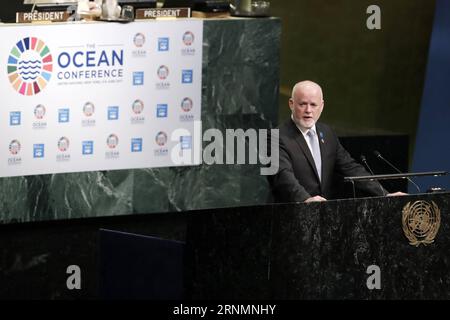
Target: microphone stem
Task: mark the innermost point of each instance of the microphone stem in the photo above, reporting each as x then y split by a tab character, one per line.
415	185
367	166
370	170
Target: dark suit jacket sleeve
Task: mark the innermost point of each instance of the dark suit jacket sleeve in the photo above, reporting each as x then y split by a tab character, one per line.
347	166
284	184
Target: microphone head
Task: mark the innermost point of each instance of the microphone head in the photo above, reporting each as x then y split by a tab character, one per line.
363	158
377	154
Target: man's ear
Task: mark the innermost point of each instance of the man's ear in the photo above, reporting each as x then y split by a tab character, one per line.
291	104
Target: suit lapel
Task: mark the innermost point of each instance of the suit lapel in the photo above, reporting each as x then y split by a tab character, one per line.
300	139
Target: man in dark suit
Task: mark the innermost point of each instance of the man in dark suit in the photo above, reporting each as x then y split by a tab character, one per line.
310	155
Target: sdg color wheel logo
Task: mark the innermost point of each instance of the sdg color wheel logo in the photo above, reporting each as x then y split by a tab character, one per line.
63	144
29	66
39	111
188	38
139	40
186	104
163	72
161	138
14	147
88	109
138	106
112	141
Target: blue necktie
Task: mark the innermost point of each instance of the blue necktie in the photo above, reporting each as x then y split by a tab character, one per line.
315	150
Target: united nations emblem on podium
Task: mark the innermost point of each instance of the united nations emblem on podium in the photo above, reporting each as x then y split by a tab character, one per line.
421	221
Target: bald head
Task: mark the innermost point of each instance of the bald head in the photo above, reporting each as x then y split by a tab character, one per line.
306	103
307	86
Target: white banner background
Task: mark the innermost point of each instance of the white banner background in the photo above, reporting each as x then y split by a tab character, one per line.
146	47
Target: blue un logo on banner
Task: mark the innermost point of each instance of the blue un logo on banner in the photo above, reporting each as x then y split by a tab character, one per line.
38	151
88	147
186	76
113	113
14	118
186	142
63	115
161	110
136	144
163	44
138	78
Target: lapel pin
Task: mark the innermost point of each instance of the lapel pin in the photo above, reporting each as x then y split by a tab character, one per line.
321	137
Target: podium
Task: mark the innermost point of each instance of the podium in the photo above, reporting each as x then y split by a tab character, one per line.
322	250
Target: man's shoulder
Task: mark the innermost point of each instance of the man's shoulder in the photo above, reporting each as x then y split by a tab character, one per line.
324	128
320	126
288	128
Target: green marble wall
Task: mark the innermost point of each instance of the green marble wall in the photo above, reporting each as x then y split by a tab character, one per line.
239	90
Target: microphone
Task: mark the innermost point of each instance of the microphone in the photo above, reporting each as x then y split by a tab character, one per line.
364	160
379	156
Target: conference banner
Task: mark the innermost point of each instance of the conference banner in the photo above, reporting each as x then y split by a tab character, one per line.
100	96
